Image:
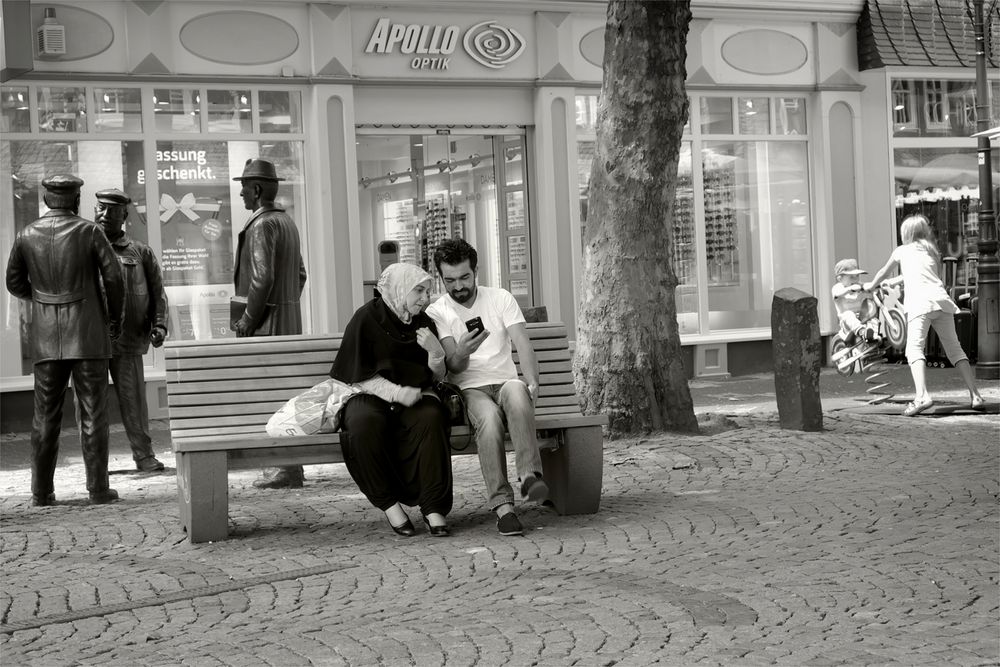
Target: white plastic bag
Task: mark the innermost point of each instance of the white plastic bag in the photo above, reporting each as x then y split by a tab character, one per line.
316	410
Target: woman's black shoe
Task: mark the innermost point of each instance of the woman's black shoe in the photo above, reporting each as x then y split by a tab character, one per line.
406	530
437	531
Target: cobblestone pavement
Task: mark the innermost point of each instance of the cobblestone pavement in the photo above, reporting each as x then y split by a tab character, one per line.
874	541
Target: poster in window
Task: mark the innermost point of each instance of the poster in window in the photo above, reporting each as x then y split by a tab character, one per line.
196	232
517	254
194	212
519	287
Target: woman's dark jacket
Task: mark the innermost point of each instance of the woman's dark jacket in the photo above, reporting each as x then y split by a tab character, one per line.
376	342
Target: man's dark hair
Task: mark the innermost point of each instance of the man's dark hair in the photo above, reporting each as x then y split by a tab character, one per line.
455	251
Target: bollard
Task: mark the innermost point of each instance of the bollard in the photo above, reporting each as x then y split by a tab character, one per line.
796	347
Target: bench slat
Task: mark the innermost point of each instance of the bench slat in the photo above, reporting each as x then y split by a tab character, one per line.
260	412
217	440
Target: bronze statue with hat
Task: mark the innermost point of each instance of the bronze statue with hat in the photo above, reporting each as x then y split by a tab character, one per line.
269	277
145	322
64	268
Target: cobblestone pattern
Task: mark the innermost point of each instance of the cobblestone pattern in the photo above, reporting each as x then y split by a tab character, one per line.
874	541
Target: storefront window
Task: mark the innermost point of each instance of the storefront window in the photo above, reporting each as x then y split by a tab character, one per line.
943	184
757	233
229	111
741	216
939	107
16	112
196	212
101	164
200	215
419	189
62	109
716	115
177	110
117	110
280	111
685	252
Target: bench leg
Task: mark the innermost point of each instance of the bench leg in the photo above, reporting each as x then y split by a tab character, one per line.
203	494
574	472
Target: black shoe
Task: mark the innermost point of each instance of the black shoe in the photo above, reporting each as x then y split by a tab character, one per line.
535	489
406	530
509	525
43	501
437	531
103	497
282	479
149	464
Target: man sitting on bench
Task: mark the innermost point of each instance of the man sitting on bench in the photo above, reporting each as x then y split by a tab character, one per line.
476	326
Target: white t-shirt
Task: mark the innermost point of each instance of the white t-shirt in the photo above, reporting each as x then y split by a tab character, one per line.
493	362
923	291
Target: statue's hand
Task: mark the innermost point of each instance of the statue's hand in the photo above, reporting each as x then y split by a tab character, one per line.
241	328
115	331
156	336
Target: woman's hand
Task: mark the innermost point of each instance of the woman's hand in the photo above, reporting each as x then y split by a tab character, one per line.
408	395
429	342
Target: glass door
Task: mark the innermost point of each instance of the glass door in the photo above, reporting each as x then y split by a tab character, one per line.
416	190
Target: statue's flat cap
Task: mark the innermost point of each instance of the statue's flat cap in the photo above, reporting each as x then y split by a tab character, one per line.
62	183
113	196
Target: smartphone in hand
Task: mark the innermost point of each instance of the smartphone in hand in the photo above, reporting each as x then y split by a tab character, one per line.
475	325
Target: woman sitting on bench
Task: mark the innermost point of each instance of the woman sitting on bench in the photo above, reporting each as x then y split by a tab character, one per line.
395	438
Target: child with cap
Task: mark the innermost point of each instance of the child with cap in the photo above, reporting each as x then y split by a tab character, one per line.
850	298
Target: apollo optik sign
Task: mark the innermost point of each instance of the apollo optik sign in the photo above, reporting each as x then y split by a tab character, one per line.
430	47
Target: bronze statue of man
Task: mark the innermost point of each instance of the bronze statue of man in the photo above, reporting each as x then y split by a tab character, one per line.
269	277
145	322
65	266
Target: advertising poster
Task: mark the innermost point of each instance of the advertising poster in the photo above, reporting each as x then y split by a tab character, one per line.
197	236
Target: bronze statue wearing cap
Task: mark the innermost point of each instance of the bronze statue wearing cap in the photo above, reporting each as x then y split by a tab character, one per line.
65	266
269	277
145	322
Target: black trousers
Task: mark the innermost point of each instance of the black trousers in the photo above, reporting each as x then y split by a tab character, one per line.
90	380
399	454
130	385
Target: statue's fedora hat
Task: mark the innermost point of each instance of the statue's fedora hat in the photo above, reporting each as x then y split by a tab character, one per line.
261	170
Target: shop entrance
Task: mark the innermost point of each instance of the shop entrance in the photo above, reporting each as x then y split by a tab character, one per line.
417	189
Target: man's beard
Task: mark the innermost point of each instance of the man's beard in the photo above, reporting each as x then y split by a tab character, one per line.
462	295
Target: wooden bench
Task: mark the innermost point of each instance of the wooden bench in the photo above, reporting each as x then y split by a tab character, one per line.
221	393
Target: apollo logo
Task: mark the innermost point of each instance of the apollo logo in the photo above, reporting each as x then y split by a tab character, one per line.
489	43
492	45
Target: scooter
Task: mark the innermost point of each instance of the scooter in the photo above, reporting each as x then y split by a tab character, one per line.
882	314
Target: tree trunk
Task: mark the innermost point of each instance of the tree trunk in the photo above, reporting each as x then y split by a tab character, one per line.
628	361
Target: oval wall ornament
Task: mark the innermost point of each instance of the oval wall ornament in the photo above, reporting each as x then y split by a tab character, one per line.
766	52
90	34
239	38
592	47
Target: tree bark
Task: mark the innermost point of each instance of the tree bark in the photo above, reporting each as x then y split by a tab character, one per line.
628	362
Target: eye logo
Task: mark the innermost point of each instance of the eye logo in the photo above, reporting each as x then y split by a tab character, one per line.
492	45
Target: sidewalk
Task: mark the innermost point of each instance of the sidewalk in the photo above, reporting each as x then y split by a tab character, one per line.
873	541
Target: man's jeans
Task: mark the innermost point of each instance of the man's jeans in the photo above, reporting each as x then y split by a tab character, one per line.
490	409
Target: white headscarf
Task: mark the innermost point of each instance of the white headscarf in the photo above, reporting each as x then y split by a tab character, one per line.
396	282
